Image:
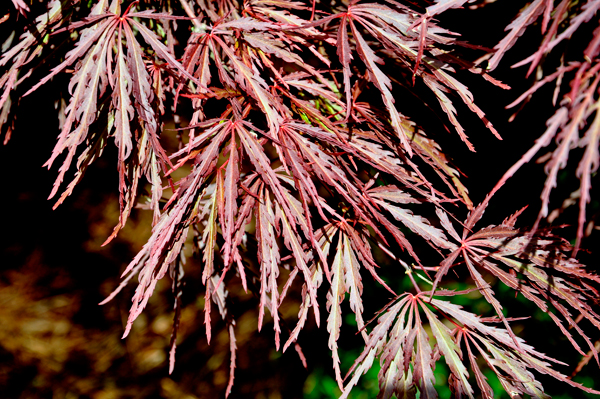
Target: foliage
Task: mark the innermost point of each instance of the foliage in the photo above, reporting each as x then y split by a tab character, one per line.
295	167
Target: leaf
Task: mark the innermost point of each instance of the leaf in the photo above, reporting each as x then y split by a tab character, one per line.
84	44
334	299
423	372
376	340
516	28
209	239
443	5
353	282
588	10
452	353
20	6
345	56
232	176
516	370
233	350
383	83
142	89
245	24
161	50
588	165
124	113
448	108
255	86
486	390
176	273
418	225
83	105
291	241
270	45
269	258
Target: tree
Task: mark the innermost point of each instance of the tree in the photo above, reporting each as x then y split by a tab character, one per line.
300	168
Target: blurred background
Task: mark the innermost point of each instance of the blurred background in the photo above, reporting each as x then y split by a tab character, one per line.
57	342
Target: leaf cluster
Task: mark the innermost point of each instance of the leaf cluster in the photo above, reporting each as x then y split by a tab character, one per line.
295	166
